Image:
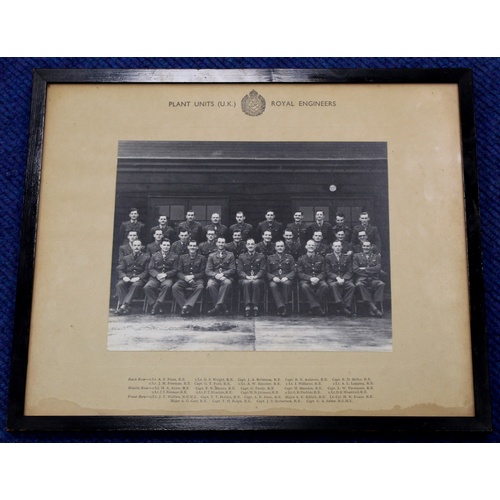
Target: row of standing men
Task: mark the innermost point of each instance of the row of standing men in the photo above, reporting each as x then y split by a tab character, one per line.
336	272
301	231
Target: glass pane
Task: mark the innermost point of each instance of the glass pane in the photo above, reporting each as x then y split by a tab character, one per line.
177	213
200	212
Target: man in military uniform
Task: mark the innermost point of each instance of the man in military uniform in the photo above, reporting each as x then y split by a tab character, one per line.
129	225
190	275
291	246
299	228
194	228
362	237
270	224
311	275
168	231
132	275
245	229
237	246
371	231
366	268
220	271
338	270
346	246
266	246
280	269
127	248
162	272
251	267
208	246
341	225
154	247
321	225
180	247
322	247
220	229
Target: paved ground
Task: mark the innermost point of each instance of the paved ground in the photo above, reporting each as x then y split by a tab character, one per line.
143	332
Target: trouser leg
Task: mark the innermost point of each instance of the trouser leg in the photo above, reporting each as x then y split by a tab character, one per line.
378	290
348	288
165	287
276	291
151	290
335	291
364	290
213	289
224	291
122	290
310	294
132	291
197	287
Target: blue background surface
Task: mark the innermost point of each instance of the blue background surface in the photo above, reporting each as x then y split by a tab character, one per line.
15	94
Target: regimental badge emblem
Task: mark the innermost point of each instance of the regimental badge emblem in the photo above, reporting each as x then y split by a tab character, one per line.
253	104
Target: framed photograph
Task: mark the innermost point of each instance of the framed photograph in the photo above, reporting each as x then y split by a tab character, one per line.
250	249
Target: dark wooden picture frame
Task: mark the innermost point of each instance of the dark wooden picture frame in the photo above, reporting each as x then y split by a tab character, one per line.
42	78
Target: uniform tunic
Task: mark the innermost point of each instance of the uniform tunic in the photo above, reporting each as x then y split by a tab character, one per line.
131	266
187	266
252	265
156	290
281	266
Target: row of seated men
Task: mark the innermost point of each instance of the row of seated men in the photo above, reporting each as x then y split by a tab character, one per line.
186	276
300	230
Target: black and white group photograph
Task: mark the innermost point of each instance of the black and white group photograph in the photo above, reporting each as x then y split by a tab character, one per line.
251	246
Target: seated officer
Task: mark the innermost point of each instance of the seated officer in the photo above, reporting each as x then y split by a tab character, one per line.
193	227
154	247
180	247
251	267
190	274
338	270
132	274
220	271
162	272
311	276
291	246
266	246
241	225
209	246
129	225
168	232
220	229
237	246
366	268
280	269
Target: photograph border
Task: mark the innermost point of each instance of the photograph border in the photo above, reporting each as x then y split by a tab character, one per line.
17	420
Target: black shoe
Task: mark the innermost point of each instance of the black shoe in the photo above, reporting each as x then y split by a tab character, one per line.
281	311
186	311
348	312
126	309
155	309
247	312
213	312
255	311
121	310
